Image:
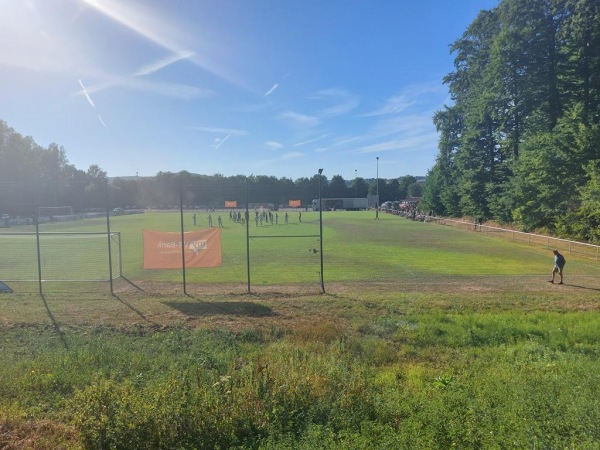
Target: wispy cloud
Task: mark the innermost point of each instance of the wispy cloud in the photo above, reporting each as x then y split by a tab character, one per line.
270	91
410	96
273	145
393	105
340	102
403	123
415	143
300	120
339	142
291	155
284	157
408	125
101	120
230	131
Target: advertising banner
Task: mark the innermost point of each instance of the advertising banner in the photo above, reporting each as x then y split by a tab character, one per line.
162	249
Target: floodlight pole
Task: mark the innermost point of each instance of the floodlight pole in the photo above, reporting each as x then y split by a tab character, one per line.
355	185
321	231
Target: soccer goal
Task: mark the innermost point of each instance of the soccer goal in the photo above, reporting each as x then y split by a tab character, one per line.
60	256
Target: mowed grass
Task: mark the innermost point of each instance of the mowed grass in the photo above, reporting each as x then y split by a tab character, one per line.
427	337
355	248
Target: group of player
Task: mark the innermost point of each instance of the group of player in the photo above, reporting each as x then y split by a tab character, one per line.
267	217
240	217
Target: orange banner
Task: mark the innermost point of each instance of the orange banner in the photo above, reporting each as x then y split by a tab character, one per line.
294	203
230	203
162	249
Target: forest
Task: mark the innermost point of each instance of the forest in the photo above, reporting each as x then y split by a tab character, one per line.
520	143
33	176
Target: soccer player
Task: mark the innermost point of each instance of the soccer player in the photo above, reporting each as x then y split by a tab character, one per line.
559	263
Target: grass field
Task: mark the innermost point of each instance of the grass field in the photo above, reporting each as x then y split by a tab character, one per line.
427	337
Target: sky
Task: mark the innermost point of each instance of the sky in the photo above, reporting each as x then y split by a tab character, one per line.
234	87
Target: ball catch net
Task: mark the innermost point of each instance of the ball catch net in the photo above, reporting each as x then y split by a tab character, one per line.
61	257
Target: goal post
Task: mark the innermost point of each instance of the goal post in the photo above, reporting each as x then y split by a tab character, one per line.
60	256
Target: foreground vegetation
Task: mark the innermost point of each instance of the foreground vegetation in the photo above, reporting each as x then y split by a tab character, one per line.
413	371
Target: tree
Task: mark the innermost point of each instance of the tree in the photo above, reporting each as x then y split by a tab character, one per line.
415	190
360	187
403	184
337	187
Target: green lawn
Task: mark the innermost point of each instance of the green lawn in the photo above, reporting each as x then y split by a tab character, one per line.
356	248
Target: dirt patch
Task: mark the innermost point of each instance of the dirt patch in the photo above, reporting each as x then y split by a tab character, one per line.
34	435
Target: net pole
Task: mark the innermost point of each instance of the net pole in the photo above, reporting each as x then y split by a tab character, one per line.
110	278
247	236
120	256
182	233
39	256
321	231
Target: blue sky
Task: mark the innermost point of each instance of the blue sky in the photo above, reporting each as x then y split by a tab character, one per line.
236	87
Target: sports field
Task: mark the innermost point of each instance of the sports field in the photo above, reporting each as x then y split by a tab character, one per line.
426	337
399	254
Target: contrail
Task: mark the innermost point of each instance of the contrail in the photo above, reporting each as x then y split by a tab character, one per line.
270	91
158	65
85	92
221	142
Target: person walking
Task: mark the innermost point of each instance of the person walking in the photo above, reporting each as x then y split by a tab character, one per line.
559	264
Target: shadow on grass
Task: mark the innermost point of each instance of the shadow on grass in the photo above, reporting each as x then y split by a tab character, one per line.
137	311
581	287
247	309
55	324
133	284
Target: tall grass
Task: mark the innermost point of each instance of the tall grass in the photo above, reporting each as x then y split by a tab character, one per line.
467	380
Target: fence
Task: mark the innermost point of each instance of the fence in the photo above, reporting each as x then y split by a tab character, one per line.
268	243
567	246
60	256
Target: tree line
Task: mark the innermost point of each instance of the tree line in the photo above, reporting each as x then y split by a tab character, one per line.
32	176
521	142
